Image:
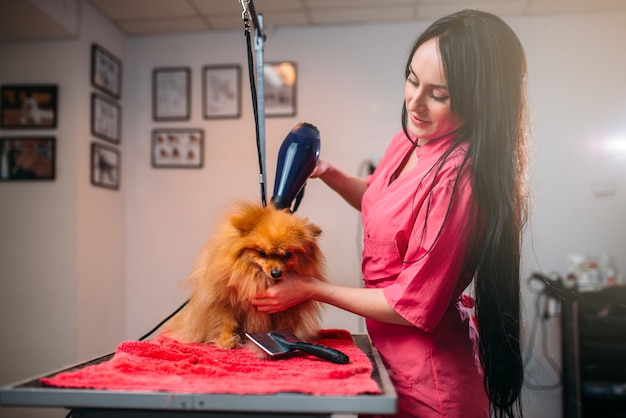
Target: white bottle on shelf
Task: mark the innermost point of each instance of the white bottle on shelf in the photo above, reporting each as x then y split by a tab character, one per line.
609	276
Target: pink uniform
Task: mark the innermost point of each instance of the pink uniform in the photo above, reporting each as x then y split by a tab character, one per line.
433	364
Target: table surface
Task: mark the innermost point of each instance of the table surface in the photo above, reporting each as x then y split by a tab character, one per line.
33	393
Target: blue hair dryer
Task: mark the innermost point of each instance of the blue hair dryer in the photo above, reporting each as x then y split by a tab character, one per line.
297	157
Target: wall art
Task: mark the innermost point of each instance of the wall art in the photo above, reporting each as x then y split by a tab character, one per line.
177	148
27	158
28	106
171	91
105	166
105	118
106	71
279	84
222	91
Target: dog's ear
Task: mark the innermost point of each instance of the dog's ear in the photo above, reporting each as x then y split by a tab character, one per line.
246	218
314	230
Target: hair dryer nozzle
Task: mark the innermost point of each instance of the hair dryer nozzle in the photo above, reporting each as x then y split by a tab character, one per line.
297	157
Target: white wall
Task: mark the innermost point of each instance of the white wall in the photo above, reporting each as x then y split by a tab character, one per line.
38	275
62	248
579	140
579	113
39	234
100	218
350	85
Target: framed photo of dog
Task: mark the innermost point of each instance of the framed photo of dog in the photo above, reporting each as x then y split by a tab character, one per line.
279	83
28	106
177	148
105	166
27	158
105	118
221	91
106	71
171	94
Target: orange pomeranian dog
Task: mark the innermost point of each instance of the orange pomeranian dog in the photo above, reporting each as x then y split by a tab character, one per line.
255	247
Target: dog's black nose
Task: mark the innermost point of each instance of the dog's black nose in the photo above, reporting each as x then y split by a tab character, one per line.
276	274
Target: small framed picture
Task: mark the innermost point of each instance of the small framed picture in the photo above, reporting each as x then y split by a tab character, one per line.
105	118
222	91
177	148
105	166
27	158
28	106
106	71
279	83
171	94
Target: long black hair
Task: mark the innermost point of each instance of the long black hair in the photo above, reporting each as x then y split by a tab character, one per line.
485	66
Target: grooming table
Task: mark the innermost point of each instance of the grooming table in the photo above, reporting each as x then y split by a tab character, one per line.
89	403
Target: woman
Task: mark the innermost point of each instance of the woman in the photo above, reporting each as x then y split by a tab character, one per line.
445	206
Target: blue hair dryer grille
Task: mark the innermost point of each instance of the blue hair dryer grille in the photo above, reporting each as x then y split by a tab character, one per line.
297	157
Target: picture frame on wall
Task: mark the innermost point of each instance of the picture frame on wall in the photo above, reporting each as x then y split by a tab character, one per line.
29	106
279	84
105	166
106	71
105	118
177	148
171	94
221	93
27	158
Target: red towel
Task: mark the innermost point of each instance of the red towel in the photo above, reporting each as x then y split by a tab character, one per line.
164	364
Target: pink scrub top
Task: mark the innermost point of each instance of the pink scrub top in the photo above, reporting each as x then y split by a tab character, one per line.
420	266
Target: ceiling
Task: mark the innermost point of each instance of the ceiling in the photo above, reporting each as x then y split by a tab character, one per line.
37	19
140	17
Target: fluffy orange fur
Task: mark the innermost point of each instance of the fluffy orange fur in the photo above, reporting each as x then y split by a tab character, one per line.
250	251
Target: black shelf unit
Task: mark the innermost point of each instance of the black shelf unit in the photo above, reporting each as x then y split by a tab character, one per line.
594	353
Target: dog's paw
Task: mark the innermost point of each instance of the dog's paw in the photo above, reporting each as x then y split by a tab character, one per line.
228	341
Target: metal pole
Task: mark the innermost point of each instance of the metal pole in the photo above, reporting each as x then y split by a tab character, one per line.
259	43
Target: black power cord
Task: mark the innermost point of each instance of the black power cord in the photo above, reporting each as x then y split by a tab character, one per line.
255	108
149	333
549	290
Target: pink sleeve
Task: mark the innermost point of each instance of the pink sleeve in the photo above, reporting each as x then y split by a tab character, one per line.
433	266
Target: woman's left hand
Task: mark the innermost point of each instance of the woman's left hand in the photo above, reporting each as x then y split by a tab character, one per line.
289	291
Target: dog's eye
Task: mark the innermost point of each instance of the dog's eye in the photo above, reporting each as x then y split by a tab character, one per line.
287	255
263	254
